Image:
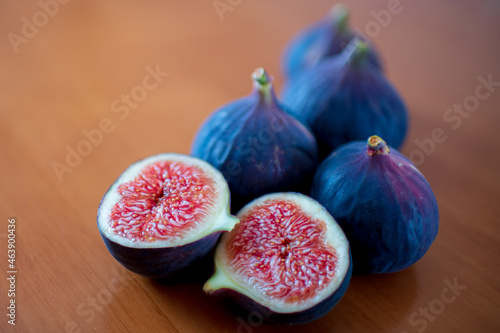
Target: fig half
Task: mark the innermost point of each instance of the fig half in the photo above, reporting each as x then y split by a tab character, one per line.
287	259
164	213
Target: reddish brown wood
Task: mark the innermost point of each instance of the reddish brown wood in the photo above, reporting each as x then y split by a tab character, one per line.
68	74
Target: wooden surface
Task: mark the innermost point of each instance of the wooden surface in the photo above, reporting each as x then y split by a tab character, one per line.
68	77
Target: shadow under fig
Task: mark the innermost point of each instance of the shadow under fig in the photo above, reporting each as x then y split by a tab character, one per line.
372	303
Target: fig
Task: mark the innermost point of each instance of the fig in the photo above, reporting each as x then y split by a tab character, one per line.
385	206
287	260
258	147
164	213
345	99
321	40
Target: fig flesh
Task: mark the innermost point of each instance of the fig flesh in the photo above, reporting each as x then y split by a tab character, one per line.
258	147
383	203
345	99
321	40
164	213
287	259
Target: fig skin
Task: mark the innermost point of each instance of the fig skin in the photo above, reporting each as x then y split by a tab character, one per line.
161	263
303	317
257	146
385	206
345	99
323	39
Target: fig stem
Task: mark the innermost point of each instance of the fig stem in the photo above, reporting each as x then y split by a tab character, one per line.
261	77
339	15
263	83
376	146
357	52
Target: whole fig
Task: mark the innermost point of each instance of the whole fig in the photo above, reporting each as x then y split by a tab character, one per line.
257	146
385	206
346	98
322	39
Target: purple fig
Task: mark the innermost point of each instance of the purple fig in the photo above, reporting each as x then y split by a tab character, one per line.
322	40
257	146
346	98
382	202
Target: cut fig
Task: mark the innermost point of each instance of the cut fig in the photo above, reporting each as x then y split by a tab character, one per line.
287	259
164	213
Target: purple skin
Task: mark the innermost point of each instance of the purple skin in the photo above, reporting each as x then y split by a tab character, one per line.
302	317
161	263
258	147
346	98
385	206
322	40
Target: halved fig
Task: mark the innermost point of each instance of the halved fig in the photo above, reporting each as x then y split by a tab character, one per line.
164	213
287	259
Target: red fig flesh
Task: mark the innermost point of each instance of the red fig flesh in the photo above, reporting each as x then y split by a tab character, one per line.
167	202
287	257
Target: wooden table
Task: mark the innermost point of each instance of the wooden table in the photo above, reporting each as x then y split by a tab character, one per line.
66	71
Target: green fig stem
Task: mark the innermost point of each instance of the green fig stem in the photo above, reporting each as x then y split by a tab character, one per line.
340	17
260	76
376	146
357	52
263	83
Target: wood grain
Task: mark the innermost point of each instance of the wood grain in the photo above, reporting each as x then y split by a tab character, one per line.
64	79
